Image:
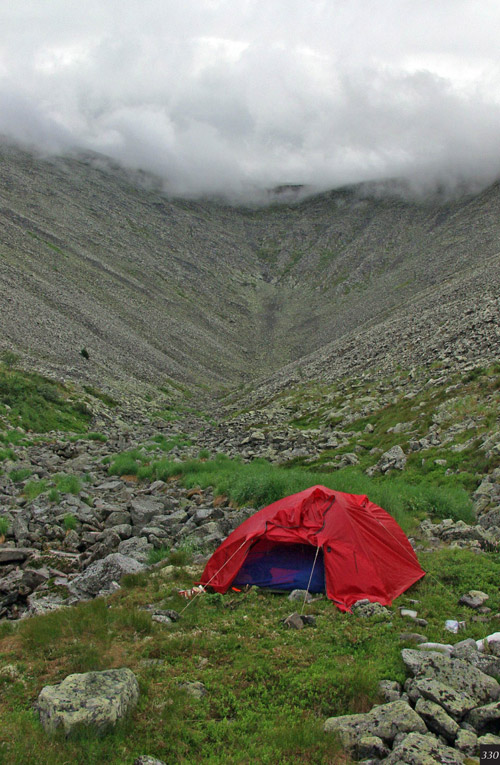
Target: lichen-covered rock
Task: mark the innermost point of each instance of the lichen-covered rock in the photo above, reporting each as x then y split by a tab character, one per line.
390	690
486	719
98	577
93	699
144	509
370	746
418	749
367	609
466	742
455	703
456	673
384	721
137	548
437	720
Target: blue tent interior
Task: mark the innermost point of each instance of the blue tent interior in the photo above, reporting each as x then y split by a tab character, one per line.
282	566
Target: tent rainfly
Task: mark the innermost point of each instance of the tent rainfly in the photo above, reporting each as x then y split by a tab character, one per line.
322	540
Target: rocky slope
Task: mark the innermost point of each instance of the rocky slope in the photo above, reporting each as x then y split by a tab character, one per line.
199	292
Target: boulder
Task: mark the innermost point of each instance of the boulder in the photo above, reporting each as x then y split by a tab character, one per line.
486	719
455	673
384	721
455	703
437	720
394	458
466	742
93	699
98	578
143	510
137	548
418	749
474	599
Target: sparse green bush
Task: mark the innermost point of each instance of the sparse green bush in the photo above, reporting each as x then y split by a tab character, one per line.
4	525
54	496
70	522
68	484
9	358
33	489
7	454
158	554
93	436
19	475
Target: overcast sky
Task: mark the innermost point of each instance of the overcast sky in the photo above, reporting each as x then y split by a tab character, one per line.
230	95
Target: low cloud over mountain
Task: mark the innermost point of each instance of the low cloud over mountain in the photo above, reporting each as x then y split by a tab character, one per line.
232	97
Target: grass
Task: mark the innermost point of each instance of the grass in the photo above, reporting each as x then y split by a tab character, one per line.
269	690
101	395
38	404
68	484
33	489
259	483
70	522
19	475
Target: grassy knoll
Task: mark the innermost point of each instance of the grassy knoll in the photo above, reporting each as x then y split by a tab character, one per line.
268	689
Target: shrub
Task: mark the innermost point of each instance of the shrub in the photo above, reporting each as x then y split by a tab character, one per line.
9	358
19	475
158	554
33	489
97	437
70	522
54	496
68	484
84	352
4	525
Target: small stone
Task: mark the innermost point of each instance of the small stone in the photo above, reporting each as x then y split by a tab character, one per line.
294	622
196	689
473	599
300	595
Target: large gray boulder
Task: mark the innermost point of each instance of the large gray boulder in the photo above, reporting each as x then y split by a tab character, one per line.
455	673
99	577
455	703
418	749
384	721
93	699
486	719
437	720
137	548
143	510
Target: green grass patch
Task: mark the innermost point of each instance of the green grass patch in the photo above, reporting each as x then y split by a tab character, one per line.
19	475
33	489
93	436
269	690
128	463
38	404
106	398
68	484
259	483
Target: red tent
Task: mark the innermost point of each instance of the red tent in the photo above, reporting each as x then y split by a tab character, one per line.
335	542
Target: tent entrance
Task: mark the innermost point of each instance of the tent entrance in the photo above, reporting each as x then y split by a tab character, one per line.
282	567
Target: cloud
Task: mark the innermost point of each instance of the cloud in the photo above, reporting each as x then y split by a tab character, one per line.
232	96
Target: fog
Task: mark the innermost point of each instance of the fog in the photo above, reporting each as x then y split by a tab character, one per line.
235	96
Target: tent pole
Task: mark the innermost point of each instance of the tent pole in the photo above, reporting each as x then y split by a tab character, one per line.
309	582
